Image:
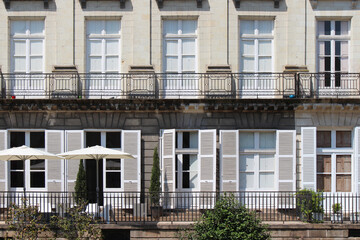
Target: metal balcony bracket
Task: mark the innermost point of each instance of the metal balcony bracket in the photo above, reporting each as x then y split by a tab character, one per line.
7	3
161	3
237	3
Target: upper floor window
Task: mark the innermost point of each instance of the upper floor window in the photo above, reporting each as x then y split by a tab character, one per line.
27	46
334	154
256	45
180	46
333	50
35	169
103	46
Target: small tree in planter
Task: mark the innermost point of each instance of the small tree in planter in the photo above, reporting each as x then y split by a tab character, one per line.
310	205
80	185
336	216
155	187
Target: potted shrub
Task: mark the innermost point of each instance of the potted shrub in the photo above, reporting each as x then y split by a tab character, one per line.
155	187
310	205
336	216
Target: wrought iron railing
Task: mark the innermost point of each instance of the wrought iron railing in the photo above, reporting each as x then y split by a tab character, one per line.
185	85
114	207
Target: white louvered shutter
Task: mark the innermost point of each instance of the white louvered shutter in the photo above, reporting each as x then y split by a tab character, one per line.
207	157
286	159
308	157
357	158
131	143
229	160
74	140
3	168
55	144
168	160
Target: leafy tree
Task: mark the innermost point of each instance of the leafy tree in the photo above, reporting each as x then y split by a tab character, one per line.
76	224
26	221
309	203
155	187
228	220
80	185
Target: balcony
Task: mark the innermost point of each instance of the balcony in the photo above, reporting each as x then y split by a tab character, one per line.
116	207
180	86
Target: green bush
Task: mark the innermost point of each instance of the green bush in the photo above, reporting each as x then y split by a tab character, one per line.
155	187
336	207
80	185
228	220
309	202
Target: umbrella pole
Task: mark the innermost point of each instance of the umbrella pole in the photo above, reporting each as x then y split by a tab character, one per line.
24	182
97	187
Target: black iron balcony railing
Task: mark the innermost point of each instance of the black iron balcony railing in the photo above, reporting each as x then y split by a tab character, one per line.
114	207
185	85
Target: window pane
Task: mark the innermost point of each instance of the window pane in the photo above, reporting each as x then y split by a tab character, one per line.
247	162
265	64
337	28
246	140
267	140
93	138
19	48
16	179
112	47
37	179
95	47
94	27
265	27
247	27
344	28
188	63
186	162
344	49
337	47
171	27
17	139
323	139
186	139
193	140
172	64
343	138
189	26
324	182
327	64
343	163
194	183
186	180
36	27
36	47
16	165
37	139
18	27
343	183
36	64
171	48
327	27
112	63
323	163
267	162
113	180
95	64
188	47
265	48
37	164
20	64
247	64
246	180
113	164
113	139
247	47
193	163
112	27
321	27
266	180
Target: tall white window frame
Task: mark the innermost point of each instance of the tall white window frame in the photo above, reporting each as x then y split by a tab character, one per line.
30	165
108	164
334	152
180	55
187	164
254	32
256	161
103	57
333	51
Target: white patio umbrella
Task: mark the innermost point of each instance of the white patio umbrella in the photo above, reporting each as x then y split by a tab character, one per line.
25	153
96	153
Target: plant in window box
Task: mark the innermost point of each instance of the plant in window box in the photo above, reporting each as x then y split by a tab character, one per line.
155	187
309	204
336	216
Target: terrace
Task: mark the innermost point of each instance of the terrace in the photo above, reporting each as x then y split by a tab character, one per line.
180	86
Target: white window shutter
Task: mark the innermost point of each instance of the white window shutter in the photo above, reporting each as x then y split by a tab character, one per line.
55	144
229	160
74	140
207	157
168	160
357	158
308	157
286	159
3	169
131	143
